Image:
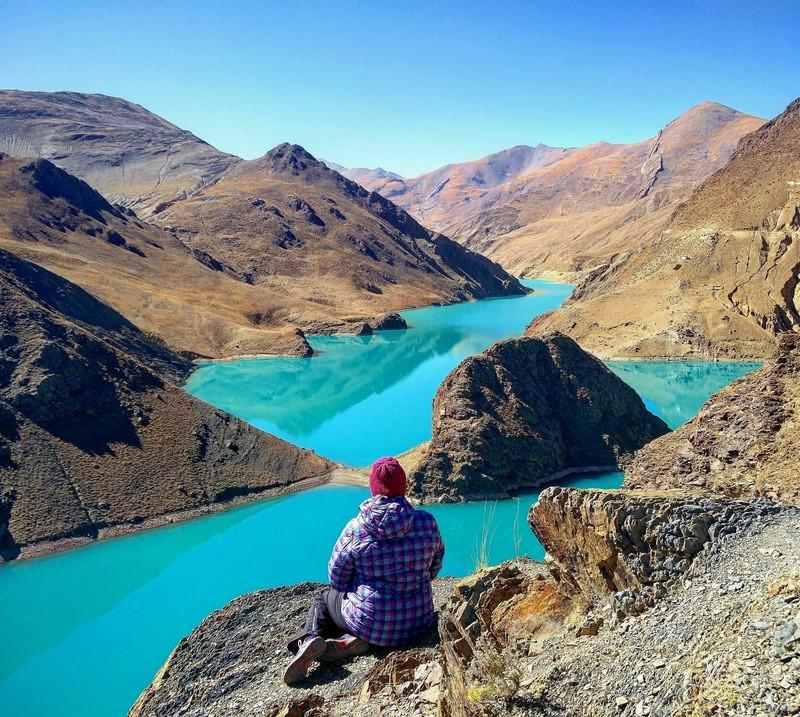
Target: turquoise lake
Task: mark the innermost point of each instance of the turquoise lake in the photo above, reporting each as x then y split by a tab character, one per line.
87	629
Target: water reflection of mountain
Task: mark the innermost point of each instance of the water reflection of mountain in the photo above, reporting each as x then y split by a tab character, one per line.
299	395
677	390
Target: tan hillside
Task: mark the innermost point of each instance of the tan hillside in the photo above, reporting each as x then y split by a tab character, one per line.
186	298
721	280
288	222
96	437
131	155
742	443
310	248
542	209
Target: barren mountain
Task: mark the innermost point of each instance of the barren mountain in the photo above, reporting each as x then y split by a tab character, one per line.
130	155
288	222
721	280
185	297
96	437
324	253
540	209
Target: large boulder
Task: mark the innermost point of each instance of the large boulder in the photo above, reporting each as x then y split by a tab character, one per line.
526	411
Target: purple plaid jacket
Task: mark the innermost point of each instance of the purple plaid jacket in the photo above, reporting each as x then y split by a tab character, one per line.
384	561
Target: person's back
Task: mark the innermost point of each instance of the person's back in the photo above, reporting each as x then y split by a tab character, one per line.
385	560
380	573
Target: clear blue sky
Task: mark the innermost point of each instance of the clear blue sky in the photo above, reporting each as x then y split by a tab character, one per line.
408	85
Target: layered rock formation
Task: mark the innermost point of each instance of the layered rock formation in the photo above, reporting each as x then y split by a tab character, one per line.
552	210
631	546
653	605
132	156
96	437
742	443
722	278
525	411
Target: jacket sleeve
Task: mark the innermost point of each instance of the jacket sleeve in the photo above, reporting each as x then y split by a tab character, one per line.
438	555
341	566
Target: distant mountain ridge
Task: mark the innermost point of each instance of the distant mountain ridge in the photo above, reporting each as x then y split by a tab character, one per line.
539	209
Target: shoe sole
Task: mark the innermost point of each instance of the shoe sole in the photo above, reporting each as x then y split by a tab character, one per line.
297	670
335	650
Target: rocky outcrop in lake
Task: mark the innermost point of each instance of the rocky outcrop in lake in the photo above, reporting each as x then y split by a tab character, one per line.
97	438
743	441
525	411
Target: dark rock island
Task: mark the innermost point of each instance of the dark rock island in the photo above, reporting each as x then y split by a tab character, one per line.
525	411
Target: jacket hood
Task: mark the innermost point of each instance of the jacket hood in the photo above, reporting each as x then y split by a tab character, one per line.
386	518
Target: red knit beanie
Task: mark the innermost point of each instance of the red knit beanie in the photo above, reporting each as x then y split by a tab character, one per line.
387	477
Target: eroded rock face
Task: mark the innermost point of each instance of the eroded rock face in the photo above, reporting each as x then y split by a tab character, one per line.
96	437
721	639
630	544
524	411
742	443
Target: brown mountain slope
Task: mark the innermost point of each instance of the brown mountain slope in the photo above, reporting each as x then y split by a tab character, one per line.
721	280
187	298
742	443
542	209
95	436
132	156
327	254
603	199
288	222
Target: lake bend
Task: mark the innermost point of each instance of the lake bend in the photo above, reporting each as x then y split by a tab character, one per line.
99	621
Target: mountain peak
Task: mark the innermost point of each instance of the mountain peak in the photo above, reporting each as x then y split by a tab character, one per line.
288	157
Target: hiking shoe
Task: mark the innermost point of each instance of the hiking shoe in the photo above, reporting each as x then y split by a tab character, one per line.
309	651
344	646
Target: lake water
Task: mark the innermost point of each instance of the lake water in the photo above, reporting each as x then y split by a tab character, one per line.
85	631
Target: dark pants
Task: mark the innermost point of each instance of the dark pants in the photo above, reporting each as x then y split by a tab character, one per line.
324	618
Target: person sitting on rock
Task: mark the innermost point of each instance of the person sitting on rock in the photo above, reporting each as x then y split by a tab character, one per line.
380	575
